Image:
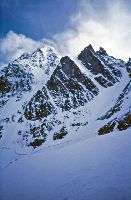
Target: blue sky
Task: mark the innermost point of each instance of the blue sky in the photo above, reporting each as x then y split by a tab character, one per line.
36	18
69	25
40	18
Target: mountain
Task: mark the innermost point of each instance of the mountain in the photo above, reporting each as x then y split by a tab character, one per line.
49	100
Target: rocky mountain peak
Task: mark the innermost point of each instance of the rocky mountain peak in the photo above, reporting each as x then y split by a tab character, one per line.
89	48
102	51
101	65
47	48
87	54
45	52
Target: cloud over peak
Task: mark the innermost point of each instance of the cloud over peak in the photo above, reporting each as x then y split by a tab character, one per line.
109	28
105	25
13	45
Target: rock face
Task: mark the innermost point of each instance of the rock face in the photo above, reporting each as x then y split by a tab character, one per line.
63	132
124	122
121	123
39	106
69	87
100	65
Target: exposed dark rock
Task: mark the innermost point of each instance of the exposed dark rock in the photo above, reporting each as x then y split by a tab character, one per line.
20	120
107	128
129	62
34	136
39	106
78	124
36	143
125	122
5	85
122	123
61	134
1	128
39	131
103	82
102	52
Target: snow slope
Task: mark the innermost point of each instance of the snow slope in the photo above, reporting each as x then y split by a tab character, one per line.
93	169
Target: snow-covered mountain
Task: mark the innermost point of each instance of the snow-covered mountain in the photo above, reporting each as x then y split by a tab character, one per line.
48	100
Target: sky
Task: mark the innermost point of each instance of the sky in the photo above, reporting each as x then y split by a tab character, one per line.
68	25
36	19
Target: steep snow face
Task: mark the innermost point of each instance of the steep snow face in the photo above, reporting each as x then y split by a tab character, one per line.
41	63
59	99
47	59
119	116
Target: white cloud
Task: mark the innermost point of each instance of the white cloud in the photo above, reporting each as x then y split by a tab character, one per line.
13	45
110	29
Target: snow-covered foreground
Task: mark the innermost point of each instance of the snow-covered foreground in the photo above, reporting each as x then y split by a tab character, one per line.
98	168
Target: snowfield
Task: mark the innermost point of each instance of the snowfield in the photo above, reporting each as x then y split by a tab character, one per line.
98	168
